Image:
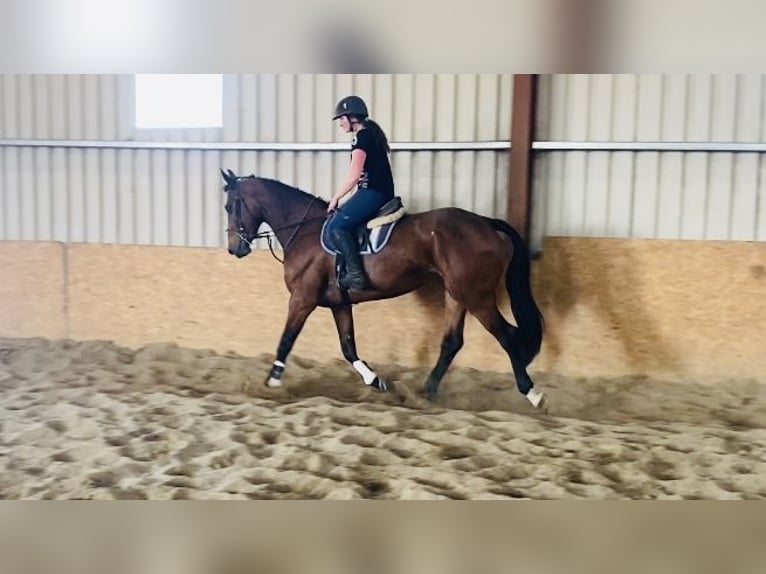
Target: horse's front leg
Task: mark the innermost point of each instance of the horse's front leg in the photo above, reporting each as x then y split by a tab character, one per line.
344	321
297	312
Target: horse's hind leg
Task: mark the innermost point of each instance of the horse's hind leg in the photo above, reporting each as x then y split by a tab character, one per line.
452	342
506	334
344	321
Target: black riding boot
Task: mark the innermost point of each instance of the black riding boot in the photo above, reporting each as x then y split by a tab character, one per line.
346	244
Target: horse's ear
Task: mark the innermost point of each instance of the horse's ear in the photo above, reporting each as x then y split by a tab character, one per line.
231	174
230	178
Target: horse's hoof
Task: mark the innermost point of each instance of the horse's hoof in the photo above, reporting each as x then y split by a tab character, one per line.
273	383
379	384
536	398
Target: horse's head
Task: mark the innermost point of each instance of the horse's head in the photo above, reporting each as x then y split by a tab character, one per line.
244	215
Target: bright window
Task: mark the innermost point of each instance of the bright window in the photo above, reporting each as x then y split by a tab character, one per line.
179	100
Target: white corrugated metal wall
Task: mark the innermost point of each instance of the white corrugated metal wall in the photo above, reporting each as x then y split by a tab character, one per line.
653	193
172	196
82	186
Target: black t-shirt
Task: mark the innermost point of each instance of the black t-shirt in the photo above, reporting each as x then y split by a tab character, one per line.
376	172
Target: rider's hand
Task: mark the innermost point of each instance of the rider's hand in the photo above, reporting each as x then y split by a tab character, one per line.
333	205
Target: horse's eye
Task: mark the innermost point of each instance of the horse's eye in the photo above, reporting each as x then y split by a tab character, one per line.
227	207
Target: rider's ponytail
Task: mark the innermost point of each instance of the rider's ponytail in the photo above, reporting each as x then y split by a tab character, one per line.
377	133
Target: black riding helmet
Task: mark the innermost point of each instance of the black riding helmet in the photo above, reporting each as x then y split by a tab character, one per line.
351	106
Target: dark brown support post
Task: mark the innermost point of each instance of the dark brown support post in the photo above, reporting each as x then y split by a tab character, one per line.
522	133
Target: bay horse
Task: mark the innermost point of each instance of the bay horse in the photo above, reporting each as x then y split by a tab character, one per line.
468	251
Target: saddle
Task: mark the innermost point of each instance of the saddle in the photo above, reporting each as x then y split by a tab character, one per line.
372	237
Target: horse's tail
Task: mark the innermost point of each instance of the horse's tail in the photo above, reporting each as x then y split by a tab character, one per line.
517	281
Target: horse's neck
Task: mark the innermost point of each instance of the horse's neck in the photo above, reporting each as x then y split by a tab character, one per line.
288	211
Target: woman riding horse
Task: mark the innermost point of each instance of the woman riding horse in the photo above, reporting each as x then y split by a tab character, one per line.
370	174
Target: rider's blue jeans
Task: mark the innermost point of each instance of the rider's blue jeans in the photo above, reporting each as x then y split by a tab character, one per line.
358	210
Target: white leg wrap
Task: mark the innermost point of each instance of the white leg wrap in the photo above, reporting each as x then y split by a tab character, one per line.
535	397
275	380
365	371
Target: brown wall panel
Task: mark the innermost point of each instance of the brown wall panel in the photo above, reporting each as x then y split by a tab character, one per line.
32	302
675	309
680	310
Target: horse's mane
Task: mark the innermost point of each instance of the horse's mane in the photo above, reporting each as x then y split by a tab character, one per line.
285	189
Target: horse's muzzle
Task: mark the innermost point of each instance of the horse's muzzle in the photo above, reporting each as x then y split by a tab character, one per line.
241	250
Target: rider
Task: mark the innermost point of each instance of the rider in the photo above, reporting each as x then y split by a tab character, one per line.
370	174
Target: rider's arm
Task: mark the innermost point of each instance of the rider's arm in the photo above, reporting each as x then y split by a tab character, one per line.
355	172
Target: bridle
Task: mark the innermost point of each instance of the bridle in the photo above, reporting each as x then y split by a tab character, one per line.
241	232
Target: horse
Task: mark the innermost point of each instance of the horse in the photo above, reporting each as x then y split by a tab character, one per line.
468	251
